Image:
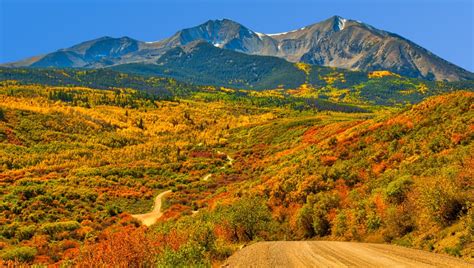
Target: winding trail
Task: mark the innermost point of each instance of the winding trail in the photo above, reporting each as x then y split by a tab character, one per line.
206	178
337	254
230	160
151	217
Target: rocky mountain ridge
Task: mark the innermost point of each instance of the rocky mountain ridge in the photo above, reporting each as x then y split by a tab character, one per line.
335	42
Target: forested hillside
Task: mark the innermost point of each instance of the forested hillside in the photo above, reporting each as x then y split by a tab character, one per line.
77	162
308	83
159	87
203	64
70	169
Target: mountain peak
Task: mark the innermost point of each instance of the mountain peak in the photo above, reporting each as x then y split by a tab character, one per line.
219	32
335	42
337	17
338	23
223	21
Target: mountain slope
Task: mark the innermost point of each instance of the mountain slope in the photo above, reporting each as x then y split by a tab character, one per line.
242	74
95	53
159	87
353	45
335	42
201	63
75	162
403	178
223	34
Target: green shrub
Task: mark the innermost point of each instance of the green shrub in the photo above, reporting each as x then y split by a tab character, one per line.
113	210
26	232
373	222
222	251
56	227
397	189
398	222
314	213
203	235
23	254
249	217
444	201
305	221
190	255
29	192
470	219
438	143
455	251
8	231
321	225
406	241
340	224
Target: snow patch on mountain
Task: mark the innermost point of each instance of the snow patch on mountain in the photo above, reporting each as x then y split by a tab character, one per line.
260	35
339	24
218	44
275	34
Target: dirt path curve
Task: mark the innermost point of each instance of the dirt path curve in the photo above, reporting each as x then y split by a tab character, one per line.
230	160
337	254
151	217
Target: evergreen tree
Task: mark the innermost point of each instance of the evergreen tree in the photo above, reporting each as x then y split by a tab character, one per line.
140	124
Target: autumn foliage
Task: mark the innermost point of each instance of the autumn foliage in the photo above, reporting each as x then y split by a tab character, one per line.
76	162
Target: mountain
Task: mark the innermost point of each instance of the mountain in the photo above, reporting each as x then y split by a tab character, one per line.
222	34
201	63
95	53
335	42
350	44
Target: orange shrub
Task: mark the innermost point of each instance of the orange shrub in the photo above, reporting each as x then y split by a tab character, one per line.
328	160
127	247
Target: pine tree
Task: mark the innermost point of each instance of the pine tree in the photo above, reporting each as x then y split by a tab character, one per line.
140	124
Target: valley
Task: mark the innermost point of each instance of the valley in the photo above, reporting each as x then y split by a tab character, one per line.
81	168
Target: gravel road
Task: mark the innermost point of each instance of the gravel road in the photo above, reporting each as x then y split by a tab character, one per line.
151	217
337	254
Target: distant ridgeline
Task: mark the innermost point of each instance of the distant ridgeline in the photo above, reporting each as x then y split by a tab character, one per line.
223	52
305	86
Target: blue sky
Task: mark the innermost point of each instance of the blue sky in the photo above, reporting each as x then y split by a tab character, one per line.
32	27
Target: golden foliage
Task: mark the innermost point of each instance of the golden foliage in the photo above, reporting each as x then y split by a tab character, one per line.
306	68
380	74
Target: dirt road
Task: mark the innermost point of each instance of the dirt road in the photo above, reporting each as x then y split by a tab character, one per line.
337	254
152	216
230	160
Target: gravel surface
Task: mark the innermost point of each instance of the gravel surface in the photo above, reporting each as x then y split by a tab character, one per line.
151	217
337	254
